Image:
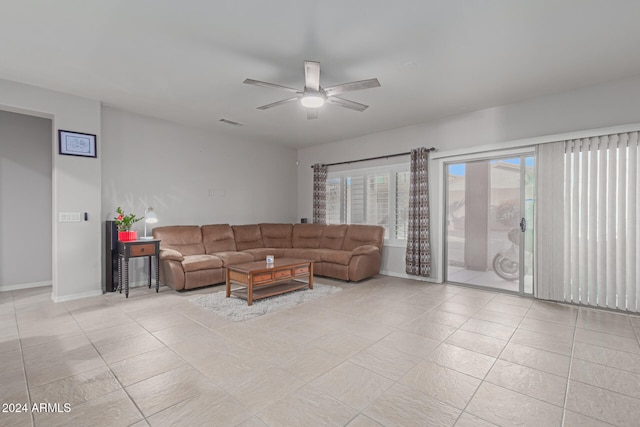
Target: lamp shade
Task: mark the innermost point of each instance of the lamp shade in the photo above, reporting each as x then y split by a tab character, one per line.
150	217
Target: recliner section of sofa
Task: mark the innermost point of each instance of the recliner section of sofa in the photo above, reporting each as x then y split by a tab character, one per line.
184	263
193	256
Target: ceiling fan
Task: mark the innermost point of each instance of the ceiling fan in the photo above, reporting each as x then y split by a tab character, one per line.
313	96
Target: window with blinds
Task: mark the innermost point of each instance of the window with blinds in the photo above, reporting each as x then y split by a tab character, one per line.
334	201
402	204
377	196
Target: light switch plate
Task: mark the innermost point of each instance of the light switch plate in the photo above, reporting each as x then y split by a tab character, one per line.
70	217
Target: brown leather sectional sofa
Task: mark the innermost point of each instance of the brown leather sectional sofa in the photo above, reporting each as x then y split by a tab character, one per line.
193	256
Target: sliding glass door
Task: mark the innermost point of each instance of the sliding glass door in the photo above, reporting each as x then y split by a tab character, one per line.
489	223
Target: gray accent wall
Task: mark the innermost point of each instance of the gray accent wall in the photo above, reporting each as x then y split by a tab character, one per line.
25	200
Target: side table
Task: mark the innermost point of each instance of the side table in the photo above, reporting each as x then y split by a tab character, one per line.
135	249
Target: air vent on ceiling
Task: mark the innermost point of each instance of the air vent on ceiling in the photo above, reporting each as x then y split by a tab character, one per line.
230	122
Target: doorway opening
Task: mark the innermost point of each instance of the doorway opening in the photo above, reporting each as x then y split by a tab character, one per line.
26	204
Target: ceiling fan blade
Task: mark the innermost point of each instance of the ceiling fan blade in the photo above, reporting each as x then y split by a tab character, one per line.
275	104
265	84
312	75
312	113
347	104
350	87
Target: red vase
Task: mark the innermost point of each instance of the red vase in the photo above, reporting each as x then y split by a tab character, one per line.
127	236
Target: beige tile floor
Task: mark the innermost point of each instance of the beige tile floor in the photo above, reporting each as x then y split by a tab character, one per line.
385	352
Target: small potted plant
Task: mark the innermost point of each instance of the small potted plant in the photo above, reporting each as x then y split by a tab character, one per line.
124	223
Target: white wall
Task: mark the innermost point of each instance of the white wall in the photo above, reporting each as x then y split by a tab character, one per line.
610	104
76	187
191	176
194	177
25	201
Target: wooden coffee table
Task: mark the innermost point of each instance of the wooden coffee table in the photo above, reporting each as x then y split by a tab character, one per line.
260	280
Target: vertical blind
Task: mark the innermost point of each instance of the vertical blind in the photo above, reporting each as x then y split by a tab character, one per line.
601	223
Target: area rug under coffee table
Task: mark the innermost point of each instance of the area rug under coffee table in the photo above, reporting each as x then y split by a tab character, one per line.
237	310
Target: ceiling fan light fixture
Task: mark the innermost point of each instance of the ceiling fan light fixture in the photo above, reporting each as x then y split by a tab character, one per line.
312	101
313	96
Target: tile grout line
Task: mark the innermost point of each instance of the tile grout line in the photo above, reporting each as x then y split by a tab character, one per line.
601	345
566	389
108	366
436	347
391	327
24	366
394	382
164	345
186	363
636	331
435	308
508	341
482	381
394	329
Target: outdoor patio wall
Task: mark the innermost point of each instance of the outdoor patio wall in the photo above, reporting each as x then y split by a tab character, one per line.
610	104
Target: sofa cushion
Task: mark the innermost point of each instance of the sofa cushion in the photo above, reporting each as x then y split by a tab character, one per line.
312	254
247	236
335	256
259	254
218	238
276	235
359	235
200	262
333	236
186	239
307	236
233	258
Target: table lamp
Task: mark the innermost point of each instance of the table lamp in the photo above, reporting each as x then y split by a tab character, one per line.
149	218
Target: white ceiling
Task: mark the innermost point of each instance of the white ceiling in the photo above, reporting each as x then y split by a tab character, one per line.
185	60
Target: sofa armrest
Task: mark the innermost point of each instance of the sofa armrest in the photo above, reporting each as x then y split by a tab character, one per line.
171	254
365	250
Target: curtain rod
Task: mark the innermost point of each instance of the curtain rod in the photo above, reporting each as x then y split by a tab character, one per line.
373	158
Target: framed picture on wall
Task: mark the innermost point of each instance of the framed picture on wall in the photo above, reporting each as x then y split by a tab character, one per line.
77	144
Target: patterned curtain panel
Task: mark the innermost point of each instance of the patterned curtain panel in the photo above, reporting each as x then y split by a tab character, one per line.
418	258
319	194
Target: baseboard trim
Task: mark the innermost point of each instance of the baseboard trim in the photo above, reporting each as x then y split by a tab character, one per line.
406	276
6	288
76	296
